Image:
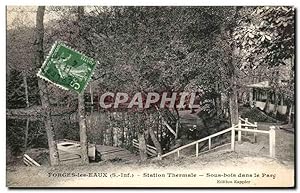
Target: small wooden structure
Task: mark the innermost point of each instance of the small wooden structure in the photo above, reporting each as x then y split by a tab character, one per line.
259	94
71	150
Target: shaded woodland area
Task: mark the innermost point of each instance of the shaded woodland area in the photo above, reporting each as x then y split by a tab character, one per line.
212	51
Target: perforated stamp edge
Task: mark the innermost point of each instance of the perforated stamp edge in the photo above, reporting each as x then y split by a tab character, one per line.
57	43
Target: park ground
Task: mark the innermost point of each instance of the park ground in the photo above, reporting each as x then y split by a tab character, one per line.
278	172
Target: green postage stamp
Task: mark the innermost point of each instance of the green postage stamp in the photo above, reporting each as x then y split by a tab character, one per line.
67	68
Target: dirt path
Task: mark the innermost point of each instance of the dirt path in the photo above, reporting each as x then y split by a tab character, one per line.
223	162
285	143
276	172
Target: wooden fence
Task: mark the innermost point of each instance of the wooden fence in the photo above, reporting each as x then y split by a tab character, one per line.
150	149
28	161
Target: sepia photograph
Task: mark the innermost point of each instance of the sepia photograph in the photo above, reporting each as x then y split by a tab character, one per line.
150	96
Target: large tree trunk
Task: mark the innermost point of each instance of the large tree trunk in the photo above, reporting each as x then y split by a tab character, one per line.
142	146
27	105
26	134
141	136
233	106
81	107
155	141
233	97
53	153
26	89
92	98
217	100
82	126
177	123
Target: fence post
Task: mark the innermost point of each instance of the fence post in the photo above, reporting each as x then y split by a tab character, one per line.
246	122
209	143
255	134
232	138
240	132
272	141
197	149
158	156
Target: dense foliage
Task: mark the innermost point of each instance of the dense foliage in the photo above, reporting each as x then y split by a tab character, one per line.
148	49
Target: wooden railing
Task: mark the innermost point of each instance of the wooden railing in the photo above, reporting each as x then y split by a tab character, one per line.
197	143
243	126
246	124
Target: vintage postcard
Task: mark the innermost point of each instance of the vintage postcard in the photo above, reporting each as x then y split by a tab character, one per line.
150	96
